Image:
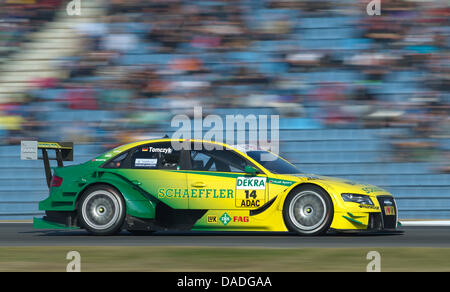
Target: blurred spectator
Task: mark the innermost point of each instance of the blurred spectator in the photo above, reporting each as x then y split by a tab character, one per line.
322	60
21	17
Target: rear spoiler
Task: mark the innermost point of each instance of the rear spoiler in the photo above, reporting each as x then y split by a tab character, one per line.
63	150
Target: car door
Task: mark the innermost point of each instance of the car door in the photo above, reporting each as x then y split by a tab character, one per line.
155	168
217	181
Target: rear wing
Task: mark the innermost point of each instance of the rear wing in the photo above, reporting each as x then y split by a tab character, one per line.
63	151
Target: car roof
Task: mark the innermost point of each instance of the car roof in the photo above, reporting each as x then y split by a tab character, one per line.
128	146
143	142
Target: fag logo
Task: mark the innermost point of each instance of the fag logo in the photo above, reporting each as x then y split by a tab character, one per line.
243	219
225	219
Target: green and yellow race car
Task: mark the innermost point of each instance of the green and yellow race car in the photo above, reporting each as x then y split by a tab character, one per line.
151	186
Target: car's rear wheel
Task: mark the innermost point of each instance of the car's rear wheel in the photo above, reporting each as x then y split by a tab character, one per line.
101	210
308	210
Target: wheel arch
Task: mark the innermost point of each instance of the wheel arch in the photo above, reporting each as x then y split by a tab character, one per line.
93	184
136	203
289	190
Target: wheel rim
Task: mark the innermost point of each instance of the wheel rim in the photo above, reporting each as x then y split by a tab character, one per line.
308	211
101	209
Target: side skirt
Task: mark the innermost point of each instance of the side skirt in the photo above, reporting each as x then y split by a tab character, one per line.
166	218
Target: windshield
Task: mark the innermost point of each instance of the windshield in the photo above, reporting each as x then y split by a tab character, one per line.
272	162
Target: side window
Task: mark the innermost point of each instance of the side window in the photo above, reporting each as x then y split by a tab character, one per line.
217	160
155	156
202	161
117	162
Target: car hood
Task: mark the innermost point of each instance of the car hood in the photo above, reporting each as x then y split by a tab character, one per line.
340	184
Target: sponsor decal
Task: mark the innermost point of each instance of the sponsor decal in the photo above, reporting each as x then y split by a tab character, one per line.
250	198
250	203
389	210
160	150
29	150
369	190
211	219
225	219
281	182
48	145
251	183
144	162
241	219
369	207
178	193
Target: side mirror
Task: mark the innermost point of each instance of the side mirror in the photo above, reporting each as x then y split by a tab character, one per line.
251	170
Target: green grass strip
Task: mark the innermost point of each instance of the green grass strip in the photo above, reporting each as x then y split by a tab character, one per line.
183	259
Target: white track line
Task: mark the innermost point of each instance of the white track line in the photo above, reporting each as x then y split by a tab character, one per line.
426	223
16	222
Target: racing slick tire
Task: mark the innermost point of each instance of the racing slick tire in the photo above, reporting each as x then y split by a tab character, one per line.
101	210
308	210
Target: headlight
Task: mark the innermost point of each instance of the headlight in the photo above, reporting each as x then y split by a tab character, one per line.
355	198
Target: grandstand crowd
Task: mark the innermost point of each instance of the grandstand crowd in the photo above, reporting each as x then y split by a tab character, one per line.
326	61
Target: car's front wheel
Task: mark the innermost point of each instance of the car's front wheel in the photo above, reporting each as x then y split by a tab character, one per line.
308	210
101	210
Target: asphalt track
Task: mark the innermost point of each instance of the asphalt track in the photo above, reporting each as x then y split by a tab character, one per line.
23	234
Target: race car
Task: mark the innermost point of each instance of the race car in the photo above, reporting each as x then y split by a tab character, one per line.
157	185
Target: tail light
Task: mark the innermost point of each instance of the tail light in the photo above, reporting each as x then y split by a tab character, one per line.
56	181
